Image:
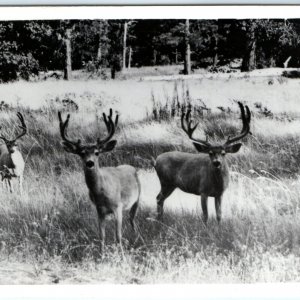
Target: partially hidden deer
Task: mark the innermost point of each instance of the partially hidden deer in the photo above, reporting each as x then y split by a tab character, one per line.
11	160
206	173
111	189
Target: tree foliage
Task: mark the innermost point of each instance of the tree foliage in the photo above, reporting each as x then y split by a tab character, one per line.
28	47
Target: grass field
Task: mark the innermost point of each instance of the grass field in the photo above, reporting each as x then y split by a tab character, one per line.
50	234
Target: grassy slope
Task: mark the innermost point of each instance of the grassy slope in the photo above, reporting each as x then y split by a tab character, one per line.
51	233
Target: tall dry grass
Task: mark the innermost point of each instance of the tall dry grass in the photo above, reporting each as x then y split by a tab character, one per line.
51	232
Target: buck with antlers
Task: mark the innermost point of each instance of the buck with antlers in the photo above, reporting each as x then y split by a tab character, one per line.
11	160
111	189
204	175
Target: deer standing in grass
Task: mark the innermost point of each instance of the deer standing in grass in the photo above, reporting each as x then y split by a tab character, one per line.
205	174
111	189
11	160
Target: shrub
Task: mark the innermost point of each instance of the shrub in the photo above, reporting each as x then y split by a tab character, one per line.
13	66
28	66
4	106
173	106
291	74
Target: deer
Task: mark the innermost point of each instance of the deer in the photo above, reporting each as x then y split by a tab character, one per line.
206	173
111	189
12	163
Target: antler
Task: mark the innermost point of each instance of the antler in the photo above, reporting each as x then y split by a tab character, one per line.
186	124
63	126
246	118
22	126
110	126
4	139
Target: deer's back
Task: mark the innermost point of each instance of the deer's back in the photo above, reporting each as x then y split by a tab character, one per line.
192	173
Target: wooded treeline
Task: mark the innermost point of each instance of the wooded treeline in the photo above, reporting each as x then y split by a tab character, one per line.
28	47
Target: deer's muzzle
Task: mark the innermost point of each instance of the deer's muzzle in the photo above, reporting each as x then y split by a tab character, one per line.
90	164
216	164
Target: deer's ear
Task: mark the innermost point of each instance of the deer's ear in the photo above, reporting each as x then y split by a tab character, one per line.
201	148
69	147
109	146
233	148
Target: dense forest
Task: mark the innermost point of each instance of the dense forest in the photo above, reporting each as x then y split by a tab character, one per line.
29	47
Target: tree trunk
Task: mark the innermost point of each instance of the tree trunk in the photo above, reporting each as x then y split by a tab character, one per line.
176	56
129	58
124	46
68	58
154	57
272	62
249	60
99	52
216	42
113	72
187	56
215	59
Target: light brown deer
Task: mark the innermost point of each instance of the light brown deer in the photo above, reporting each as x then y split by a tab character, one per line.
199	174
11	160
111	189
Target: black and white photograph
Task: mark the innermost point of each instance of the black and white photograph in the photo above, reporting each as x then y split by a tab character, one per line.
149	150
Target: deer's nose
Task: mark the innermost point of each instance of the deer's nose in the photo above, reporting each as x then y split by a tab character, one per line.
90	164
216	163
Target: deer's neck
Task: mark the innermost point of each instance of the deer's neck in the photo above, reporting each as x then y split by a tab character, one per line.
17	160
96	180
220	177
92	176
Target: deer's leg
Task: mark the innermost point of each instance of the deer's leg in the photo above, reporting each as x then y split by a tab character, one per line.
132	215
218	205
101	224
5	184
118	219
21	184
165	192
204	207
10	185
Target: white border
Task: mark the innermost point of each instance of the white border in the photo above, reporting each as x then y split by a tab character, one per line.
146	2
160	292
148	12
282	291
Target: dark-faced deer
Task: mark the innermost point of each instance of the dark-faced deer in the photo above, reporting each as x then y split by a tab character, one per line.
205	174
111	189
11	160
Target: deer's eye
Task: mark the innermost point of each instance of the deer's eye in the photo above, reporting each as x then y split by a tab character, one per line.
223	152
210	153
82	152
97	153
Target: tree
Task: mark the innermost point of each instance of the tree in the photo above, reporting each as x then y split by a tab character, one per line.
124	45
68	57
187	56
205	37
249	59
276	40
266	40
16	57
115	33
